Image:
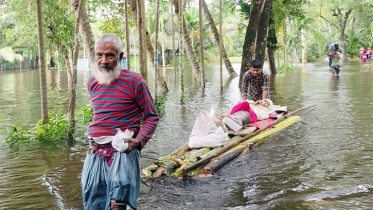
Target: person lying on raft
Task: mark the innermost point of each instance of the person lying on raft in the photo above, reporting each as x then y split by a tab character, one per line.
258	110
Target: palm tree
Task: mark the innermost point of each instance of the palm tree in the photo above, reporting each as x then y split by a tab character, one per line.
133	9
140	20
7	53
187	43
85	30
42	64
215	32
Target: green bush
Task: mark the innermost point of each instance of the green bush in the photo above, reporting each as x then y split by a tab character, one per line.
85	114
160	105
282	68
17	135
55	130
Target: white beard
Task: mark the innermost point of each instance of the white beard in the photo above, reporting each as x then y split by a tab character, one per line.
104	77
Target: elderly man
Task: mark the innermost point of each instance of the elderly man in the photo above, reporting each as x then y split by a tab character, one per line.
255	83
121	100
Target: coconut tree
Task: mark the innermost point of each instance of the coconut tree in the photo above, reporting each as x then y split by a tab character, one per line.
42	66
85	29
6	52
187	43
216	34
201	49
133	9
180	18
72	74
126	29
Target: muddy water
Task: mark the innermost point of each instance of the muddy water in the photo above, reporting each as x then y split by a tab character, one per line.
322	162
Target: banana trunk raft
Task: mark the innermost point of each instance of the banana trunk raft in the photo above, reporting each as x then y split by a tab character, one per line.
204	162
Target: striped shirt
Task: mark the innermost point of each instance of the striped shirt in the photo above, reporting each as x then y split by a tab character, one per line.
253	86
124	104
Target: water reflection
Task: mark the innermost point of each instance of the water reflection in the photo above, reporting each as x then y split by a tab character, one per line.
322	162
334	85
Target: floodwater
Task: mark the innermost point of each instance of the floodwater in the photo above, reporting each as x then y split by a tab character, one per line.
322	162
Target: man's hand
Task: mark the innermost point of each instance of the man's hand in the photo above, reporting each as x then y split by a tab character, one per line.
132	144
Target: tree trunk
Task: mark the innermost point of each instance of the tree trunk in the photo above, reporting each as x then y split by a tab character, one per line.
293	50
181	49
71	80
140	22
187	43
160	84
72	75
42	66
173	39
272	44
201	45
294	55
85	29
215	32
219	162
248	51
156	64
261	41
149	45
128	56
342	35
304	47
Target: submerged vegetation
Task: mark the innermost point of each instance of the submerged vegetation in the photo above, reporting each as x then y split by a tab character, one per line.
300	31
282	68
56	130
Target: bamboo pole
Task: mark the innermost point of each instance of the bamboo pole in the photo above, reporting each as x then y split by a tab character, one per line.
177	152
148	171
230	146
219	162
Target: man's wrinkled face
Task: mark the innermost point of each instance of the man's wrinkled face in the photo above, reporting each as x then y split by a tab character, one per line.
255	71
107	57
106	68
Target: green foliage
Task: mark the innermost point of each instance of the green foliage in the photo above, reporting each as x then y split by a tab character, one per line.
85	114
58	20
56	130
286	67
354	40
160	105
313	54
53	132
245	8
17	135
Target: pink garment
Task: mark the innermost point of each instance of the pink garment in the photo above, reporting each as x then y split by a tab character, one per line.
245	106
363	56
105	152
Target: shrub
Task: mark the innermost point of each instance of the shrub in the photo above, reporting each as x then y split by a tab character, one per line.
282	68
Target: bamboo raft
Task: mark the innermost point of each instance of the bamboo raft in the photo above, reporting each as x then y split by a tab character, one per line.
205	162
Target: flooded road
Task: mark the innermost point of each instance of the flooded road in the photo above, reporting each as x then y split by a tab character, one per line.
322	162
